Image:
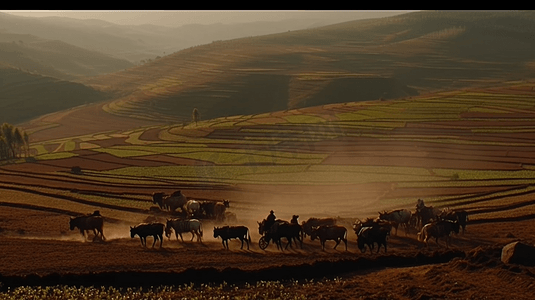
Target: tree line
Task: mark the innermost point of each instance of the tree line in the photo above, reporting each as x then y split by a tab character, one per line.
14	142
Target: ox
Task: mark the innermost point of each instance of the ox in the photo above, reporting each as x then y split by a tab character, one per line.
438	230
207	208
329	232
290	231
460	216
233	232
370	232
376	223
397	217
85	223
264	226
316	222
425	214
182	226
371	235
192	208
219	210
170	203
145	229
157	198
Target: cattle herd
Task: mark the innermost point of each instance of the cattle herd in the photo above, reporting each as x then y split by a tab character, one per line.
428	221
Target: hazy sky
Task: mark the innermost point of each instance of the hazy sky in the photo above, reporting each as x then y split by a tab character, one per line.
176	18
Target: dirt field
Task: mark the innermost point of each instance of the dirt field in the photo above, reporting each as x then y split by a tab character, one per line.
38	248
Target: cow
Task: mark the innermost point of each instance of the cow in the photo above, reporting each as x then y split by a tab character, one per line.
145	229
438	229
290	231
315	222
369	235
265	226
425	214
157	198
219	211
397	217
170	203
93	222
192	208
233	232
176	200
180	226
329	232
208	208
461	216
369	222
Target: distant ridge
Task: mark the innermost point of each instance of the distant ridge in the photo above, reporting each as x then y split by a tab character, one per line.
407	55
55	58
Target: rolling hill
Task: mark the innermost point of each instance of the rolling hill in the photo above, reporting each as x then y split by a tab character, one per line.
393	57
142	42
36	76
55	58
25	96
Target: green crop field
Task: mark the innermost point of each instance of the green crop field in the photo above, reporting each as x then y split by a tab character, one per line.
328	146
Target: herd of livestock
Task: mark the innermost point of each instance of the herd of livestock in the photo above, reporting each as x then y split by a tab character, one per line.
430	222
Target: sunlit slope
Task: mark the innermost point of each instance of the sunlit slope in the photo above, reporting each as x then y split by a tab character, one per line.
467	148
231	78
354	61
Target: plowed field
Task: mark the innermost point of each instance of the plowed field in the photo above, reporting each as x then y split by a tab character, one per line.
347	161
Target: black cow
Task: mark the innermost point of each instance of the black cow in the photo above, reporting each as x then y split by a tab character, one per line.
461	216
233	232
146	229
290	231
370	235
208	208
335	233
316	222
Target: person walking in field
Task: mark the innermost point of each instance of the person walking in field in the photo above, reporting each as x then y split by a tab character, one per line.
196	116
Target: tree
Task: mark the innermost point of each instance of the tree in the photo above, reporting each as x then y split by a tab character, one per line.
7	132
196	116
18	141
13	142
4	149
26	139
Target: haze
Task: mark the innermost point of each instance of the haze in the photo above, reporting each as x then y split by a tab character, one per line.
175	18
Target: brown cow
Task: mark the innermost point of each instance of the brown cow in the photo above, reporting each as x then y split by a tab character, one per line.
329	232
438	230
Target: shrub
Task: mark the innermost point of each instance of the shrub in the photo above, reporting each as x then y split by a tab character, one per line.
76	170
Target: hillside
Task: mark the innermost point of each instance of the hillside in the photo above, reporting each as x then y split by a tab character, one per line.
142	42
55	58
400	56
25	96
470	149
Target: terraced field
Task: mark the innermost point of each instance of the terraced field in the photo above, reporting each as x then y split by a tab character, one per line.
435	146
470	149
